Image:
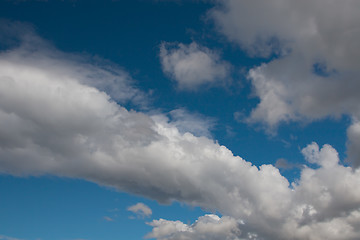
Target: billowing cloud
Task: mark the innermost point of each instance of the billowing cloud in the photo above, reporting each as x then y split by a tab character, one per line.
316	71
322	204
56	119
192	65
209	227
140	209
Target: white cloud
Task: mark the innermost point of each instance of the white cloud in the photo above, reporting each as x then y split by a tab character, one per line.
326	157
322	28
209	227
163	228
317	72
55	120
140	209
323	204
193	65
37	56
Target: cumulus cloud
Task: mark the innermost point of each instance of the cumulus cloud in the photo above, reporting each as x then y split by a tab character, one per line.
56	118
316	73
140	209
313	67
192	65
322	204
210	227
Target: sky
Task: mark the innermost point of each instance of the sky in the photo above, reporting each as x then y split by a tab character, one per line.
176	120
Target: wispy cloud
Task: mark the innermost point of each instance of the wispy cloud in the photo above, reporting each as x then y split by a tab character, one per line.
109	219
2	237
141	210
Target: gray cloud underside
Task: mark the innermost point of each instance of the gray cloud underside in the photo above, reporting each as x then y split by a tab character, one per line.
55	119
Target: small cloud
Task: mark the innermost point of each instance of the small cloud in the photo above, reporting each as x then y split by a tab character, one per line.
109	219
141	210
193	65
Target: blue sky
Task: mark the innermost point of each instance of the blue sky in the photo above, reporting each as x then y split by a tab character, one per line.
179	120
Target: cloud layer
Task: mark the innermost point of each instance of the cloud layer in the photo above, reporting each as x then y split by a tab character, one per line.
56	118
193	65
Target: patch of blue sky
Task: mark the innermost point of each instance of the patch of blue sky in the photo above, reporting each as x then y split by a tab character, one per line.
53	208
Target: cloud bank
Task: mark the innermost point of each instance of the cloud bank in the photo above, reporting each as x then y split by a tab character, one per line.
322	204
56	118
